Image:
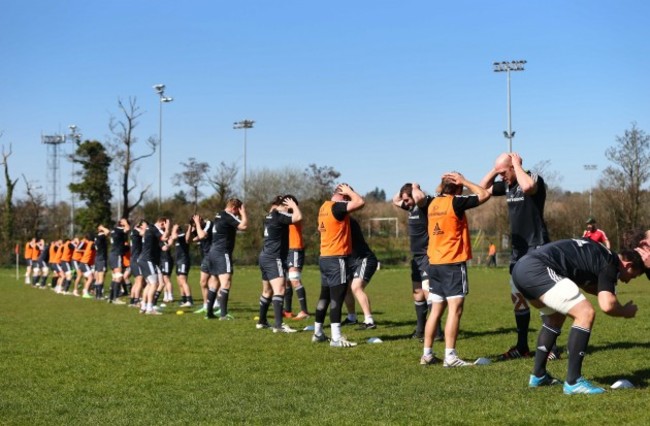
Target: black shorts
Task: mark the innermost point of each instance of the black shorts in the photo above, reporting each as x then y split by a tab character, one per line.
166	267
148	268
135	269
66	267
296	259
100	265
85	268
419	267
333	270
363	268
182	268
205	265
219	264
271	267
43	264
532	277
115	261
448	281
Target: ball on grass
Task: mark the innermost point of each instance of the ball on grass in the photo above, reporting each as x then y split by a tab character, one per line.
179	312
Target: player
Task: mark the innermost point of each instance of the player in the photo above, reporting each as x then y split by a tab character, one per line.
335	249
552	278
119	235
412	199
362	266
181	240
295	262
224	231
272	260
449	250
525	194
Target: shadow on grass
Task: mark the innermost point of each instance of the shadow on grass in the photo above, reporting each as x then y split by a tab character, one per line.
619	345
639	378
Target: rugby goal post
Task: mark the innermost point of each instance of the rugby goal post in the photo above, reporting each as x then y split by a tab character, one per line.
380	220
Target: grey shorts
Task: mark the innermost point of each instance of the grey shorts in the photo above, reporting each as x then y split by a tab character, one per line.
448	281
333	270
363	268
271	267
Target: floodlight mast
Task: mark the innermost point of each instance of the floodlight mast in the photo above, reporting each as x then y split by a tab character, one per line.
160	90
507	67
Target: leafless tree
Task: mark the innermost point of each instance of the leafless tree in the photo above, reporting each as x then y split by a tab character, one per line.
223	182
8	211
194	175
122	147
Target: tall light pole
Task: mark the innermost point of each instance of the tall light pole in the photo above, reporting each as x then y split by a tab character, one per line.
590	168
160	90
507	67
75	138
244	124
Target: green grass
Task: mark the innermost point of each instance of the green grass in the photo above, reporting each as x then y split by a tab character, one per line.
70	361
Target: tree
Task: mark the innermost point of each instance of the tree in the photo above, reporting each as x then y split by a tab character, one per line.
223	182
622	182
122	147
31	211
323	180
8	229
376	195
93	186
194	175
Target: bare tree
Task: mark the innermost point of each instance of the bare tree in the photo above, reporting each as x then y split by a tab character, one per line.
125	158
194	175
34	206
223	182
622	182
8	211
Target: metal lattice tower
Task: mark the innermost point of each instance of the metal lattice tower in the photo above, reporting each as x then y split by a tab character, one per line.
53	165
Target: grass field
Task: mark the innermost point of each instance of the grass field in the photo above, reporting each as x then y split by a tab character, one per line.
66	361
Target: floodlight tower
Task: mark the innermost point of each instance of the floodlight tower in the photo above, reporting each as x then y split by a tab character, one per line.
244	124
53	170
160	90
507	67
75	138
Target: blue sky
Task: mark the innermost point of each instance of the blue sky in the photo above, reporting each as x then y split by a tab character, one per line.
383	91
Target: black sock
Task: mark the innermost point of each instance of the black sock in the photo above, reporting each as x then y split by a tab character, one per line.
522	319
277	310
156	295
288	299
420	315
577	347
212	296
223	301
66	285
302	298
265	302
545	342
189	299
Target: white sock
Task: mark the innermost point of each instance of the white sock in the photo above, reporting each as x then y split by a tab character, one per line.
450	352
428	351
336	331
369	320
318	328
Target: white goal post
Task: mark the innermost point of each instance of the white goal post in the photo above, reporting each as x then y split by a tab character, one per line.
383	219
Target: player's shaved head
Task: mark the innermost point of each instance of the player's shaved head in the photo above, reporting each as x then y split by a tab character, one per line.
503	160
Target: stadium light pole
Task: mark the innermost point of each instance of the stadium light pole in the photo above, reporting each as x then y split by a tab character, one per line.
507	67
75	138
160	90
590	168
244	124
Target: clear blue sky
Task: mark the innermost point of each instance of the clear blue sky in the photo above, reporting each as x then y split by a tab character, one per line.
383	91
